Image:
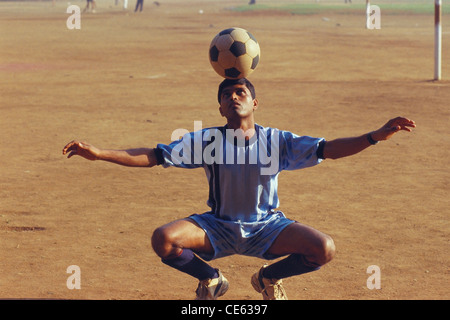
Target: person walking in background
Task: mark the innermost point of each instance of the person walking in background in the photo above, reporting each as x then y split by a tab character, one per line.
90	5
139	5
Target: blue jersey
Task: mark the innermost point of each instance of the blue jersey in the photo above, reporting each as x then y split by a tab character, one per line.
242	174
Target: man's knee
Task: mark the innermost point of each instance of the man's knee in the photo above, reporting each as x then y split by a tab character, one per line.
329	249
162	243
325	251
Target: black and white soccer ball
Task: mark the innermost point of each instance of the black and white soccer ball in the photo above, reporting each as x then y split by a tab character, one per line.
234	53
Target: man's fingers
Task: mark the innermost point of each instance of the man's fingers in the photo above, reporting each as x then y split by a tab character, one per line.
393	126
68	147
406	128
407	125
71	154
81	149
72	146
401	123
404	122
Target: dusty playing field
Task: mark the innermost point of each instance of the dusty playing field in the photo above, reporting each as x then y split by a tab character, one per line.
129	80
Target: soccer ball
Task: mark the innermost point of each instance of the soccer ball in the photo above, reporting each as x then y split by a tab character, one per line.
234	53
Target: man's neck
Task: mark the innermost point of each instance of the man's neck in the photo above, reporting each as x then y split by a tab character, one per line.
247	126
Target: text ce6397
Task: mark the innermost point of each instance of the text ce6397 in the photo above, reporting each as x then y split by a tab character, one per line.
247	309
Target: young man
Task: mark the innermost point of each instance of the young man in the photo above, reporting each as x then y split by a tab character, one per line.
242	161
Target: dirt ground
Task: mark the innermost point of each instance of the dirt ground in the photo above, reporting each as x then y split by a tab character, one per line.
130	79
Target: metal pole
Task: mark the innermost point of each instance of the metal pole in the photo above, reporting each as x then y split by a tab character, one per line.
437	40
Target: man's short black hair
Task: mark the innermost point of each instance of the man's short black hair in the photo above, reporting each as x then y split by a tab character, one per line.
231	82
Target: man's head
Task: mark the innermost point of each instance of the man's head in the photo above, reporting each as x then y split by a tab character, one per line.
231	82
237	99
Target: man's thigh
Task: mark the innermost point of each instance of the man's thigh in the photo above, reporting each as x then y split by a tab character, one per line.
179	234
298	238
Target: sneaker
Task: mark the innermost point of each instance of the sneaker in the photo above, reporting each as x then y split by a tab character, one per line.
271	289
211	289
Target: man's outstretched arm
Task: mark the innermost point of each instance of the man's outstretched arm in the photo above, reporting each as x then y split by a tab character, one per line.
140	157
343	147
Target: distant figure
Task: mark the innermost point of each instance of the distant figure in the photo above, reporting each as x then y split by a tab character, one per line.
348	1
252	2
139	5
91	4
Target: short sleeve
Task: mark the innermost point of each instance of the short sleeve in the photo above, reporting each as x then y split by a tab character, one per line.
182	153
297	152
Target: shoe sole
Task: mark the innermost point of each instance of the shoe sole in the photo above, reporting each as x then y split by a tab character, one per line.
256	283
222	289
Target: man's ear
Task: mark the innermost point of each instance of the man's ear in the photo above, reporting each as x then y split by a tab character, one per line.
220	110
255	104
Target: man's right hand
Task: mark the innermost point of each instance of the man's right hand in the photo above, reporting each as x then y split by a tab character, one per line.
82	149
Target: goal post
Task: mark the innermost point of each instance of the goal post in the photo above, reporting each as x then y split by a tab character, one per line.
437	40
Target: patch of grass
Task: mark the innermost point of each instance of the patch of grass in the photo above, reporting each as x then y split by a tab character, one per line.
291	8
316	8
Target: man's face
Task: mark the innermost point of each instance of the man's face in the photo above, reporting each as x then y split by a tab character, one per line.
237	101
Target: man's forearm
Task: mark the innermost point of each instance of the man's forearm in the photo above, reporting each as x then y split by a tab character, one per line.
141	157
344	147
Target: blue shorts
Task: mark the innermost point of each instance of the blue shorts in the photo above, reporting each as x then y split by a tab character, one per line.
244	238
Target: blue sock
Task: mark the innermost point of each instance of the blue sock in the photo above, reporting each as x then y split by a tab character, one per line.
293	265
189	263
